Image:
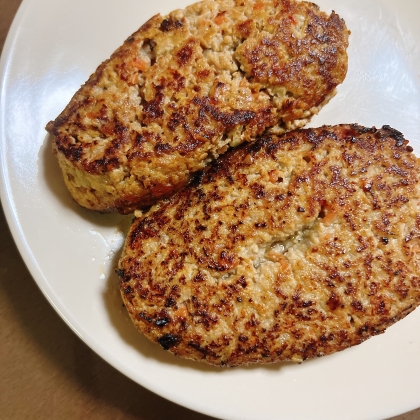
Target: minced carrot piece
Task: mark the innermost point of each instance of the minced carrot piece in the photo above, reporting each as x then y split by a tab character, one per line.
133	79
140	64
280	259
259	6
220	18
181	312
244	82
273	176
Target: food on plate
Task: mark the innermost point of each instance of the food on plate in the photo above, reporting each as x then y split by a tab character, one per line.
288	248
186	87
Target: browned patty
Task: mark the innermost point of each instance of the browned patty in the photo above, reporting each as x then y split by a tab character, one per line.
292	247
185	87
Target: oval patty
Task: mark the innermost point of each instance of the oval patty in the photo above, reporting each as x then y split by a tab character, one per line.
185	87
288	248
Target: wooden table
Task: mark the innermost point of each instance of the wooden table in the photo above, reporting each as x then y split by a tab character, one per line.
46	372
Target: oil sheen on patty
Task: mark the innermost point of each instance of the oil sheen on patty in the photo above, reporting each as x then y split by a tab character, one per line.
291	247
188	86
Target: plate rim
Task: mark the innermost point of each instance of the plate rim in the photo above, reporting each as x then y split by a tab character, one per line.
11	214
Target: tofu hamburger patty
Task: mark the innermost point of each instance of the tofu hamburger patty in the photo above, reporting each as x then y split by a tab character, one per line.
186	87
292	247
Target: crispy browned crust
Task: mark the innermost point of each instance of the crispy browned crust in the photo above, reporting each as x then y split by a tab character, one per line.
289	248
184	88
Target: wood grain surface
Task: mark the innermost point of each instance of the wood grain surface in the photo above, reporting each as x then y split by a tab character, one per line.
46	372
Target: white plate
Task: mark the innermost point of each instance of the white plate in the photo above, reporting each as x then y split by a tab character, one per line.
52	48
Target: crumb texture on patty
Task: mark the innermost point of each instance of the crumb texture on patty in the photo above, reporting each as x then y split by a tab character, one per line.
292	247
186	87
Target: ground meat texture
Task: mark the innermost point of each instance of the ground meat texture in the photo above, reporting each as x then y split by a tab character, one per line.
288	248
186	87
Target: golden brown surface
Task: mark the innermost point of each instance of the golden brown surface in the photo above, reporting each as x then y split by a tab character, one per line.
186	87
46	372
290	248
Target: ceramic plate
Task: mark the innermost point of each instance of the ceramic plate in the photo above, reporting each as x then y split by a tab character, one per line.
52	48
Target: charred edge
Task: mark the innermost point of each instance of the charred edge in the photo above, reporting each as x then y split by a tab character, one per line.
197	178
144	229
168	340
237	117
395	134
205	351
170	24
124	277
